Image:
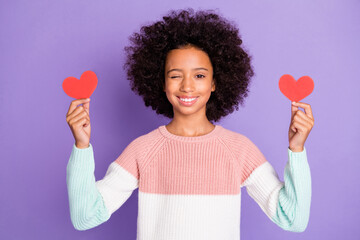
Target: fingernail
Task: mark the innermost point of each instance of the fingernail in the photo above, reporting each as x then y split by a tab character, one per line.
294	103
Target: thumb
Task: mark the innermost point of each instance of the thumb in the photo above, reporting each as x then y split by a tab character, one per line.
87	107
293	111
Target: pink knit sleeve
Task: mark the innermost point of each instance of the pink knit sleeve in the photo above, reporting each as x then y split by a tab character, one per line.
250	157
128	159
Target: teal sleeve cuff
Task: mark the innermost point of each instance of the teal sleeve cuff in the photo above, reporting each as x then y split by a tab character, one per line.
87	208
81	159
298	160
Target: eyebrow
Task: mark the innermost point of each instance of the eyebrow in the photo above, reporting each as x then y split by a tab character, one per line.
176	69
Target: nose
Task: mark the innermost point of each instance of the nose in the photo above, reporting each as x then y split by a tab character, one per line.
187	84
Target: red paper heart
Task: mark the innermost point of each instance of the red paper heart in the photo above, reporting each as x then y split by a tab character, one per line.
296	90
82	88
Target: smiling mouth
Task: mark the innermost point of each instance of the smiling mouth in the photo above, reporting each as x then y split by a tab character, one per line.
186	102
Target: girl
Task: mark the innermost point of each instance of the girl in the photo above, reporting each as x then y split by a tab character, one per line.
190	68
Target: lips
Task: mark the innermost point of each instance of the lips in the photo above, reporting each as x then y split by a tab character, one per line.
187	96
187	104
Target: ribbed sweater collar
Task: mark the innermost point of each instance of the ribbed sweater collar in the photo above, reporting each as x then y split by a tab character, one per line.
214	133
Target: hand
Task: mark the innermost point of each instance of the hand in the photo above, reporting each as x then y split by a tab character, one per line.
300	126
78	119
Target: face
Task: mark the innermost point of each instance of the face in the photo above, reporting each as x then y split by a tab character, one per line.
189	75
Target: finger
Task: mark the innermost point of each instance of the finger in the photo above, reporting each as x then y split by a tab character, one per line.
81	122
298	127
77	111
306	107
75	103
293	111
77	117
87	123
305	117
87	107
302	120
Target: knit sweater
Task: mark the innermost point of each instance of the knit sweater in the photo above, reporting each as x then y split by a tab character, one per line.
189	187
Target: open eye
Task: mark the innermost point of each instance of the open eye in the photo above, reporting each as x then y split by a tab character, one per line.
200	75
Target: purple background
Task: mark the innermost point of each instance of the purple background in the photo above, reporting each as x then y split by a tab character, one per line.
43	42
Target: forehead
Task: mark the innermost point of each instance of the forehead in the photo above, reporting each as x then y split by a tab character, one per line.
187	58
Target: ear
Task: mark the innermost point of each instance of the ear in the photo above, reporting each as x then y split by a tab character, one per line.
213	85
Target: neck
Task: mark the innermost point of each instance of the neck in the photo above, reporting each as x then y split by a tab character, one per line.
190	127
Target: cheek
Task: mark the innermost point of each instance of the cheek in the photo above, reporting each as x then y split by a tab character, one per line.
205	89
171	89
170	96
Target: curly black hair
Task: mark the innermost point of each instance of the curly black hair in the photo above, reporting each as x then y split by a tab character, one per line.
207	31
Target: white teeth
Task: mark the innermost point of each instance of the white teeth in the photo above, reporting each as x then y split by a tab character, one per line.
187	99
